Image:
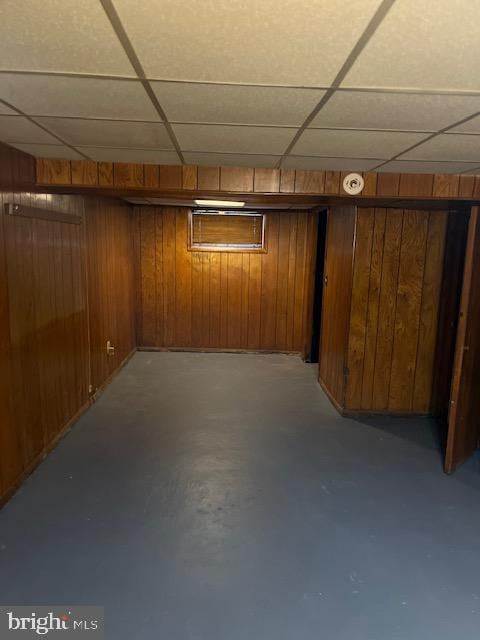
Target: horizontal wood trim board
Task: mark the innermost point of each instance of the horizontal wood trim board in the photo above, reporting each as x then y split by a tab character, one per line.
138	179
202	350
38	213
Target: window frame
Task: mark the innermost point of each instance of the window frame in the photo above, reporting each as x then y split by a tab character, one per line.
225	248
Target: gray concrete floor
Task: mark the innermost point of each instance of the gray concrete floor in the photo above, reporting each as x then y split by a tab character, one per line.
220	497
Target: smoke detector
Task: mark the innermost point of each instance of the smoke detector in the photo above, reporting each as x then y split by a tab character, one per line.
353	184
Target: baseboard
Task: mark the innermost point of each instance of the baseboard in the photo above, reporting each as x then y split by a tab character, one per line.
40	457
364	413
333	401
209	350
106	382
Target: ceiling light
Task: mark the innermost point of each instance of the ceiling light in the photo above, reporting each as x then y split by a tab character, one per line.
219	203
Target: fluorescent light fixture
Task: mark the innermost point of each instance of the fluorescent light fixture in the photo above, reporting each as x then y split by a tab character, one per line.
219	203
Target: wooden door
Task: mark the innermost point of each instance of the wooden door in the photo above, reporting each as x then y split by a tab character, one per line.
337	288
464	416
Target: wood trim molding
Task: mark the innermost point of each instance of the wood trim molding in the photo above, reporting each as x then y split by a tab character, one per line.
138	179
12	209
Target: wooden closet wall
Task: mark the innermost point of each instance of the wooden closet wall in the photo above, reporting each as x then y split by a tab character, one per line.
65	289
384	270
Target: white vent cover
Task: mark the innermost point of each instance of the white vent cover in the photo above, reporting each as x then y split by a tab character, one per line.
353	184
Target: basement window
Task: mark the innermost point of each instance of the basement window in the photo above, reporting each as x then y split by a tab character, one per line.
214	230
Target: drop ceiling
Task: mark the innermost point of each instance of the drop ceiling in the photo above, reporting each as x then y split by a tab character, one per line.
393	85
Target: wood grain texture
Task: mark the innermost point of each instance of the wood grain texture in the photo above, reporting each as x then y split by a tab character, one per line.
47	327
236	179
398	274
84	172
105	174
111	298
266	180
128	175
189	177
17	169
225	300
131	179
170	177
50	307
453	267
54	172
208	178
463	430
337	292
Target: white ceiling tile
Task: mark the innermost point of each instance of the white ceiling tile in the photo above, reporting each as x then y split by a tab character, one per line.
448	147
48	151
473	172
59	35
188	102
346	143
411	166
224	138
471	126
329	164
83	97
434	46
108	133
232	160
19	129
4	110
401	111
148	156
299	42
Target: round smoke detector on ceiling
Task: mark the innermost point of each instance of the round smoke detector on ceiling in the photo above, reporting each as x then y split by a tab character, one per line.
353	184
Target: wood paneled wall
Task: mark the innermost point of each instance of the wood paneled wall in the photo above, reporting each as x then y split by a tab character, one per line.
111	295
219	300
48	312
133	178
396	259
397	280
337	293
17	169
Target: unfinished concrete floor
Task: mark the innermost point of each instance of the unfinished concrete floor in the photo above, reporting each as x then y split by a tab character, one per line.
220	497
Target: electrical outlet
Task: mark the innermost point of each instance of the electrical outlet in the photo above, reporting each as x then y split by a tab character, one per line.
110	349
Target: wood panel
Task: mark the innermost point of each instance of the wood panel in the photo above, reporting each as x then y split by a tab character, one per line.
337	291
17	169
47	330
49	309
111	295
213	300
398	271
190	181
463	426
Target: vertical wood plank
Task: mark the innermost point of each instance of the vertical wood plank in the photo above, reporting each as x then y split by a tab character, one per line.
149	291
269	284
358	313
407	316
183	283
386	309
208	178
429	312
373	308
189	177
236	179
